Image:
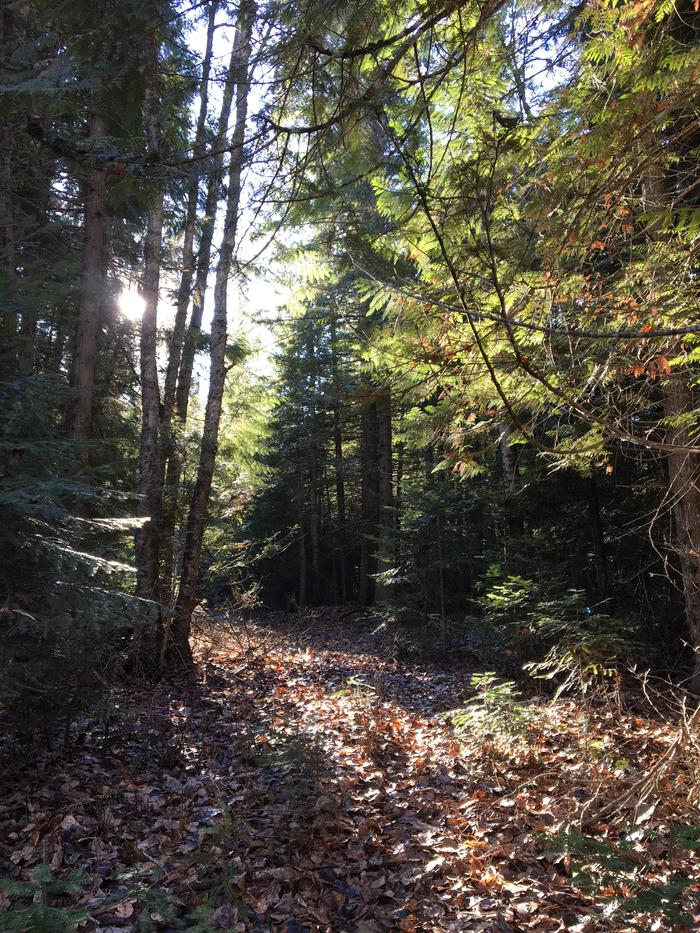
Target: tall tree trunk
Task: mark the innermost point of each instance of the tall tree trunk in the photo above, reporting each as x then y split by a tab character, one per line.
170	570
398	498
303	570
42	178
339	465
187	261
683	468
12	30
149	485
370	498
85	356
170	454
386	493
177	648
150	476
684	496
208	223
314	478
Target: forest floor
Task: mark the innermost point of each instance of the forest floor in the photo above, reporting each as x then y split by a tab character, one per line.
308	780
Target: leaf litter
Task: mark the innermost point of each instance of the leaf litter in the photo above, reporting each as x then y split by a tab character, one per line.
307	780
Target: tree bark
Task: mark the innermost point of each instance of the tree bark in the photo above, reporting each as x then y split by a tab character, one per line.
170	570
41	181
170	453
184	381
150	475
187	261
684	496
177	648
303	570
8	315
369	499
12	30
85	356
339	465
683	468
386	492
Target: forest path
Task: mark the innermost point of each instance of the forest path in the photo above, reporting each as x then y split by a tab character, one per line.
358	792
307	781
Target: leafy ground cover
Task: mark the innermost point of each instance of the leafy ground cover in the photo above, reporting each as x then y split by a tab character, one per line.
309	780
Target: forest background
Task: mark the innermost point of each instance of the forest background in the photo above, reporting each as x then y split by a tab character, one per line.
390	307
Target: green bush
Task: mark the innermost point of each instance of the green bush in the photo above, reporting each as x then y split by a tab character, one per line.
616	874
495	712
65	613
34	903
555	634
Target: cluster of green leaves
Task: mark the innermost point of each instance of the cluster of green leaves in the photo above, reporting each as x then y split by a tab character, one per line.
42	895
573	644
615	872
65	582
494	713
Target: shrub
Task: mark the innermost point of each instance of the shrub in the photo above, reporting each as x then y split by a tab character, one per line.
552	630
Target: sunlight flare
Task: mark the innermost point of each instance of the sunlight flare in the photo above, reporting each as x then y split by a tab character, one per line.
131	304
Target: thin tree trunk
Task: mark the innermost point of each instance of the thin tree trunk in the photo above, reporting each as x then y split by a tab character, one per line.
41	185
311	438
12	29
150	476
170	570
187	261
171	455
370	498
386	493
184	382
85	356
303	572
8	315
339	465
398	495
177	648
149	485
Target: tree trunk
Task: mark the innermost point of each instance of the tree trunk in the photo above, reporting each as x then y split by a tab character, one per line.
370	500
184	381
303	570
339	466
684	495
12	30
683	491
398	499
386	493
170	571
150	476
35	252
177	648
8	314
85	356
149	485
170	453
187	262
